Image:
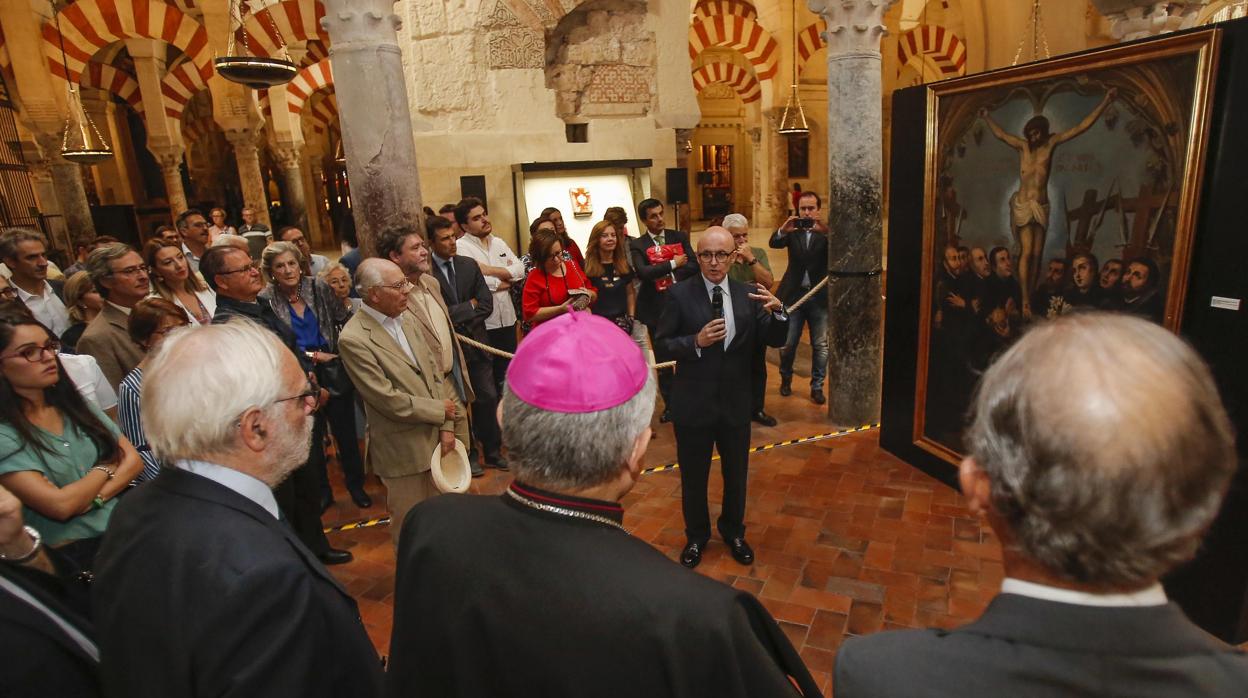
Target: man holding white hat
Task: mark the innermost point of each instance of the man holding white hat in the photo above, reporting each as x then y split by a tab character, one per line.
410	400
543	584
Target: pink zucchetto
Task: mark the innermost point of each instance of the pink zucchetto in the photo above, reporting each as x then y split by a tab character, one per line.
577	363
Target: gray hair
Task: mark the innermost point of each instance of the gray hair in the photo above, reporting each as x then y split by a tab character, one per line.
230	240
1114	484
275	250
735	220
97	264
10	237
232	367
331	268
368	274
564	451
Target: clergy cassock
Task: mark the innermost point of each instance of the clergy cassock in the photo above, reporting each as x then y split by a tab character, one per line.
534	593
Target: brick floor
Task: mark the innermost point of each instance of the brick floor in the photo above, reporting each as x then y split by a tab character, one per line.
848	539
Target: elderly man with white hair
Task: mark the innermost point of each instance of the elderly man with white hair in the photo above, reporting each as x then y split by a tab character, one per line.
1095	494
751	266
541	591
201	589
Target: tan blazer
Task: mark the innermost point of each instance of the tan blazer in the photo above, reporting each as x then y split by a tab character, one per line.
108	340
463	385
403	400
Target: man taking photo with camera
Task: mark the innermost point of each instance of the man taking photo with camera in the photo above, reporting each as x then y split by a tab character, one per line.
806	238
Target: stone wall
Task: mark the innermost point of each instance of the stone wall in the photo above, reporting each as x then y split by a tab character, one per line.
601	61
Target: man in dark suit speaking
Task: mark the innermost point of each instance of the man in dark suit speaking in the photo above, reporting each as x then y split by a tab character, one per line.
711	326
200	589
1095	494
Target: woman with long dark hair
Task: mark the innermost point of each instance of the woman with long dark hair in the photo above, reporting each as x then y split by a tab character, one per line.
175	281
606	265
555	286
569	245
63	458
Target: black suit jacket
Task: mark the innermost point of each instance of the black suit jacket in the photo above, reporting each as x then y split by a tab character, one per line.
649	300
1029	647
41	659
714	387
556	607
201	592
469	284
804	257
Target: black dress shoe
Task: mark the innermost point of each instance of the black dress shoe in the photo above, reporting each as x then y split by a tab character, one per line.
334	556
763	418
691	556
741	551
786	386
816	396
665	417
497	462
361	499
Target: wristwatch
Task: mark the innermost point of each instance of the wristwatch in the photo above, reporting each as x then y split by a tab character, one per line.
34	548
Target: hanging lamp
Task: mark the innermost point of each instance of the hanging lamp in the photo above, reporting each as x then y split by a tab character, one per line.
242	66
81	141
793	119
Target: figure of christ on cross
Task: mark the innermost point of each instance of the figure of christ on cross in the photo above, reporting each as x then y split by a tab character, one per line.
1029	206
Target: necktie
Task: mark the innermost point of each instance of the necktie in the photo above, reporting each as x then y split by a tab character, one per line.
450	279
658	239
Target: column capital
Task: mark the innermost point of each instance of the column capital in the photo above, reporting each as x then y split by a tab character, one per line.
1135	19
167	156
289	155
854	26
242	137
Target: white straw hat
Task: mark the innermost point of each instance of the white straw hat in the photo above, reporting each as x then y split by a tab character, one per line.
451	472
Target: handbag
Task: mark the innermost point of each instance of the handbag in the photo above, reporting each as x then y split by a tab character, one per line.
332	376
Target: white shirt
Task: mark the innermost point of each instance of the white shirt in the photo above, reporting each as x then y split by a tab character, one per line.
494	252
122	308
206	296
46	308
191	259
1154	595
394	327
241	483
84	372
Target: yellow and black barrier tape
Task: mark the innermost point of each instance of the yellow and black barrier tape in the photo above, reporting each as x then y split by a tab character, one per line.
365	523
778	444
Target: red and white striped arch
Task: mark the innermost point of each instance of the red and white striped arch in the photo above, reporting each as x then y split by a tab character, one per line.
118	82
323	113
180	84
944	48
809	42
740	33
712	8
311	79
90	25
741	80
287	21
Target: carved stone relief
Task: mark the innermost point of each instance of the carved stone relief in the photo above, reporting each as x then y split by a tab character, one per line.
601	61
511	44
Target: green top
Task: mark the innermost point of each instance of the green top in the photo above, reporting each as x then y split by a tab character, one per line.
74	454
744	273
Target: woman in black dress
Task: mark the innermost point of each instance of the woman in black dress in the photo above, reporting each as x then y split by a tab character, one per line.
606	265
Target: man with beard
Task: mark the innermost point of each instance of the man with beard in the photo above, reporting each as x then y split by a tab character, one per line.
1111	276
1047	302
199	557
1084	291
977	278
1141	291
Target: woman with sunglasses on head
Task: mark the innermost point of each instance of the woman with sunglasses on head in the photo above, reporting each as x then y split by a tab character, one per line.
63	458
316	315
175	281
150	320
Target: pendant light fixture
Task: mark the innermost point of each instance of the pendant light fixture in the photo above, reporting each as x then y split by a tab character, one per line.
241	66
793	119
81	141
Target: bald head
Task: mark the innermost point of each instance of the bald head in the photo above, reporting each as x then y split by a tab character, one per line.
1106	445
714	248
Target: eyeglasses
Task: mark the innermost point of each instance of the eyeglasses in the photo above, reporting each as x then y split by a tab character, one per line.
717	256
254	266
311	397
402	286
131	271
34	353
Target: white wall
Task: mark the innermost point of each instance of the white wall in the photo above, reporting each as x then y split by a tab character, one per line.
607	187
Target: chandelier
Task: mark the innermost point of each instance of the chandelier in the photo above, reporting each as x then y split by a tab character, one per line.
256	72
81	141
793	119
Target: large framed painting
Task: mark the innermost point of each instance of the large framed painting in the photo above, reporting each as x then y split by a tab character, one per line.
1054	188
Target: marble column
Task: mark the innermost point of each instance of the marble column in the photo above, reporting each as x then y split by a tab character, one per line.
290	159
170	160
374	114
70	192
246	142
1136	19
855	245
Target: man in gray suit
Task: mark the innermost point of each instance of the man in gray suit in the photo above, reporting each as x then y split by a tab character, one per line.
1095	494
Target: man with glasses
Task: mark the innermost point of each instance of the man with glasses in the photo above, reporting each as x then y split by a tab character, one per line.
193	228
200	558
805	236
236	279
315	263
121	278
408	390
712	326
25	252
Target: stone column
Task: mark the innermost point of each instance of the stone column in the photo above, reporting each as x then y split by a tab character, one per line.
170	160
290	158
855	245
776	176
67	181
246	142
1136	19
374	114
